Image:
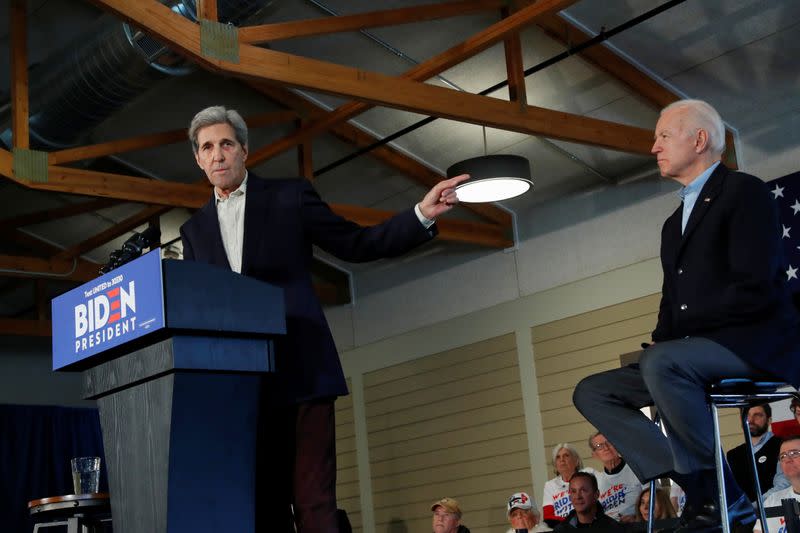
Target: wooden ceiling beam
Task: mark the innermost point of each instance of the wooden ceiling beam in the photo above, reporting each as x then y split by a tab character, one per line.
64	269
104	184
269	65
129	224
436	65
607	60
168	195
41	247
621	69
374	19
25	327
515	70
57	213
6	163
305	161
385	153
18	18
155	139
207	9
441	102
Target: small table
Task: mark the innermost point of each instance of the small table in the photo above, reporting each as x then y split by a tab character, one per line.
81	513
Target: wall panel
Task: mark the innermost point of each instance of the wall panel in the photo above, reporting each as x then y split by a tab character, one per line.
448	424
347	482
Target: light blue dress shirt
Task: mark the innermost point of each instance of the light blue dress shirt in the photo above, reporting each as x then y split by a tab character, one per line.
690	193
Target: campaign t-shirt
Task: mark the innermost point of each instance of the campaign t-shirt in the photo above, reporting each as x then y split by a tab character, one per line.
619	492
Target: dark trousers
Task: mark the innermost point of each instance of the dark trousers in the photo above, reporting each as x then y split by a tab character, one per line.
673	376
297	468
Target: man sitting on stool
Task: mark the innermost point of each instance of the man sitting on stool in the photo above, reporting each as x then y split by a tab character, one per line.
725	312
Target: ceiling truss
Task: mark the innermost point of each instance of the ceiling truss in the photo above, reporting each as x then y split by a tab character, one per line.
271	72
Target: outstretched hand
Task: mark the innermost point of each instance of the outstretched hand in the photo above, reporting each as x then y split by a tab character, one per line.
441	198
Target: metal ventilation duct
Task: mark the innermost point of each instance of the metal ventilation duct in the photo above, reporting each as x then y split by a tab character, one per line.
75	90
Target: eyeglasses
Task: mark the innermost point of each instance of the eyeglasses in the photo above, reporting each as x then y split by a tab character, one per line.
789	455
601	445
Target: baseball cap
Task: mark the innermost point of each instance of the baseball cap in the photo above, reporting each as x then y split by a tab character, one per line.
448	504
519	500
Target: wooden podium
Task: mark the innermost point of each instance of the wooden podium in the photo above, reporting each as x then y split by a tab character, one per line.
178	402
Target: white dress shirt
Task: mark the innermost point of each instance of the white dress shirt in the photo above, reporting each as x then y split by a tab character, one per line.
230	212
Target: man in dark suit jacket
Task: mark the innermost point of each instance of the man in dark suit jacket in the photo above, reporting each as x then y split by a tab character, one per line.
265	229
766	448
724	313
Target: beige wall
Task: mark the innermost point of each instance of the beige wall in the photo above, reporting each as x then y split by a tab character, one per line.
570	349
448	424
348	488
469	407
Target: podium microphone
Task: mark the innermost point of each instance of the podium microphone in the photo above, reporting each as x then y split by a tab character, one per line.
132	248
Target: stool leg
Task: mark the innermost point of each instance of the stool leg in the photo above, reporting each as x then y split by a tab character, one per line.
652	506
719	459
754	469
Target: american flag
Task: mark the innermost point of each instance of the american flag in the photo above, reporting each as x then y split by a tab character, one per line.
786	191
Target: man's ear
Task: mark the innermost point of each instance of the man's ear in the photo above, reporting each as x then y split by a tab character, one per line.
245	151
197	159
701	141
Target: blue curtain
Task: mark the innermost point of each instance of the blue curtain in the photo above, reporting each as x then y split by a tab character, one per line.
36	444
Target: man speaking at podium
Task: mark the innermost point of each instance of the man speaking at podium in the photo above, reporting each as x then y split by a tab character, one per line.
265	229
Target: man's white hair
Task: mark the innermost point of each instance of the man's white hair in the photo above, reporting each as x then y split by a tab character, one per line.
704	116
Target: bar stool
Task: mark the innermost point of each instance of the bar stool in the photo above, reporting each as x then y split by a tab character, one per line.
742	394
81	513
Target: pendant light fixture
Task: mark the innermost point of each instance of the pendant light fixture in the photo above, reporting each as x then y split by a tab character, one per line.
492	177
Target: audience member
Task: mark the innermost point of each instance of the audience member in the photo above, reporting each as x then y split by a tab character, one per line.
795	411
555	501
619	487
765	449
587	513
447	517
663	507
677	497
789	459
522	512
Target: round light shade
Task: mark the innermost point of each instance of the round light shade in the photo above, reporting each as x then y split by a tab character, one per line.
492	178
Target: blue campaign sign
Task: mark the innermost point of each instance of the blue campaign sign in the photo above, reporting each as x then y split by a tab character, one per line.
111	310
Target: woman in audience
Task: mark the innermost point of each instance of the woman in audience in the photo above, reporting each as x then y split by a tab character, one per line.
555	501
663	509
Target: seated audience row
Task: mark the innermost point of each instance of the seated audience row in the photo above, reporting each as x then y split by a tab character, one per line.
603	500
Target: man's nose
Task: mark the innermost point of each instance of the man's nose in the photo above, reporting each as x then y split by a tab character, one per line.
218	154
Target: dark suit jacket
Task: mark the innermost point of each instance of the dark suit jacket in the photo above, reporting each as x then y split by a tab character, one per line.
766	464
282	219
724	278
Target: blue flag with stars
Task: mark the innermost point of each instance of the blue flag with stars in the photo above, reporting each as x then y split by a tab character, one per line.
786	191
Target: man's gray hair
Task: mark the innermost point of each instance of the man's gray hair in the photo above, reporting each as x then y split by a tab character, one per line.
704	116
572	451
217	115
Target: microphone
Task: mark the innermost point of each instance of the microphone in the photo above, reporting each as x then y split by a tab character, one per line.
139	241
132	248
